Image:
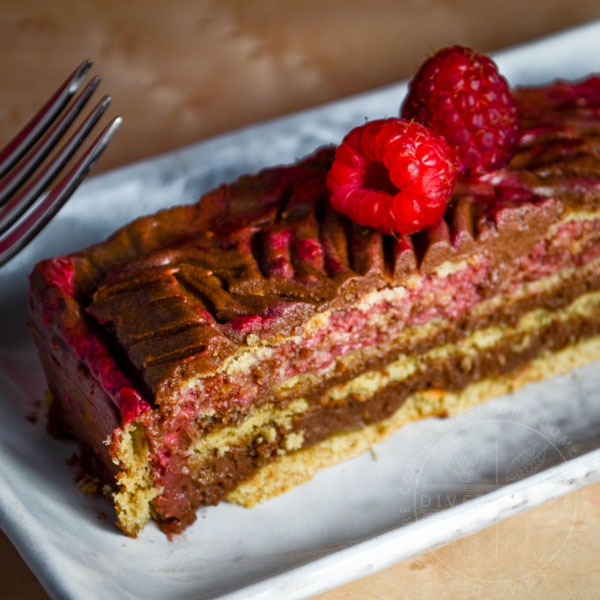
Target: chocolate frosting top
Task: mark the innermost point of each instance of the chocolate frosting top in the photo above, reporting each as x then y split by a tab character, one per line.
179	291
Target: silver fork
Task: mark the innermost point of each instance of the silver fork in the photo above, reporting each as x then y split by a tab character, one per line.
21	186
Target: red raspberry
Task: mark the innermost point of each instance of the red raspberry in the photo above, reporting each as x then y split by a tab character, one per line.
393	175
461	95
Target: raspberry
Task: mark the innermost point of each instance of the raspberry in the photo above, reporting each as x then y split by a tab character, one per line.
393	175
461	95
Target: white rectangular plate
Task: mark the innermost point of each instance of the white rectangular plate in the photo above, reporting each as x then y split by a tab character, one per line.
432	482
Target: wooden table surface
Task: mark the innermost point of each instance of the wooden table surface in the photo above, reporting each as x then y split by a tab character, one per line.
179	72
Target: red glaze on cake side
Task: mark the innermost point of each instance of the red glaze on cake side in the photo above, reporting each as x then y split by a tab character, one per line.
53	303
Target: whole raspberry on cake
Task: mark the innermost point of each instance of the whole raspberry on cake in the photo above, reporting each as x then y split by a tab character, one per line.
229	349
461	95
392	175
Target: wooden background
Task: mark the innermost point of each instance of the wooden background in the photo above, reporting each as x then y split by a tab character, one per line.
181	71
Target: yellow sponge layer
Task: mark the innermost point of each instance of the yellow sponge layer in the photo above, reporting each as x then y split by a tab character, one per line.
133	501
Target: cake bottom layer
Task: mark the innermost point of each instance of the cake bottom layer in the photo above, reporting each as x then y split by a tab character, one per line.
299	467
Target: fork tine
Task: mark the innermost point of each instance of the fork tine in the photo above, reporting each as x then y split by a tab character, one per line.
42	119
14	180
17	239
19	203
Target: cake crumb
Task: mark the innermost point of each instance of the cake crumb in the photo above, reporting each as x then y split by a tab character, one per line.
293	441
89	485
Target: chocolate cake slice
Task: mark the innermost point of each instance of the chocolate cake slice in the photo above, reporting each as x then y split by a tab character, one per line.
229	349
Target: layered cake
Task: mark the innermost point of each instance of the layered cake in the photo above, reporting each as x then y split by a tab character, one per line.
231	348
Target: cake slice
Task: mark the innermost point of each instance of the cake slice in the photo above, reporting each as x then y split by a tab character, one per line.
229	349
